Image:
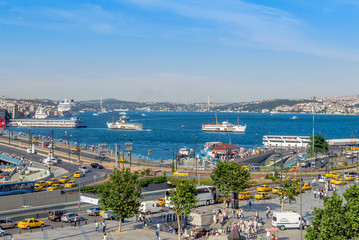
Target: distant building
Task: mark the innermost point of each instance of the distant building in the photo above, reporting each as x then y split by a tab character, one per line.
225	150
2	119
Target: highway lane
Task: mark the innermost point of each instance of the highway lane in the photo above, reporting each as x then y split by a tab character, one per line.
92	175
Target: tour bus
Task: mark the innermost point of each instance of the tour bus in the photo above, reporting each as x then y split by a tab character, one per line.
206	195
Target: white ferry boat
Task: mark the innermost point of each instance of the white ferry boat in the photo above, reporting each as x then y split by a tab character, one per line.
225	126
40	113
186	152
285	141
44	123
123	125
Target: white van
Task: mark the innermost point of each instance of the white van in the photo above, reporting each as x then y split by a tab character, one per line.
149	207
284	220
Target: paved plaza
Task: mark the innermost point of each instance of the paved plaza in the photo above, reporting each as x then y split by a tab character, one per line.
135	231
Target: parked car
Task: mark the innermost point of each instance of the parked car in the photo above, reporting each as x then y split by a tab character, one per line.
244	195
93	211
55	187
55	215
70	217
96	165
109	215
64	179
264	188
180	174
7	223
30	223
83	169
262	195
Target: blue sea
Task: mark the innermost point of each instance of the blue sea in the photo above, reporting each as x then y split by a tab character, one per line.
166	132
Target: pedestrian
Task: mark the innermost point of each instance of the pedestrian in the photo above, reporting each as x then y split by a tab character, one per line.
257	215
11	237
238	212
104	236
75	220
158	227
250	203
242	214
315	194
136	217
103	226
97	226
214	218
268	211
157	235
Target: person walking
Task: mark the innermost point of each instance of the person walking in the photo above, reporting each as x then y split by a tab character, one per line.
97	225
257	215
104	236
315	194
103	226
250	203
157	235
268	211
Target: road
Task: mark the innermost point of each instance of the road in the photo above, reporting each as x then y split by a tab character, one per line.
89	177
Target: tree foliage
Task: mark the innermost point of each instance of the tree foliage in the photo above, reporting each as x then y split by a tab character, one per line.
289	190
229	177
337	220
183	199
120	194
320	144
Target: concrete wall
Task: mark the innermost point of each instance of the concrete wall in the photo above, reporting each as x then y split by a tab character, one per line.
36	199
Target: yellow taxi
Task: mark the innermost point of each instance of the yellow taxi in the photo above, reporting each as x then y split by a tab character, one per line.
121	159
271	161
70	184
30	223
262	195
51	181
64	179
42	183
78	174
349	178
338	181
244	195
306	187
180	174
335	175
328	175
294	169
264	188
34	141
220	198
161	201
277	190
55	187
74	149
38	187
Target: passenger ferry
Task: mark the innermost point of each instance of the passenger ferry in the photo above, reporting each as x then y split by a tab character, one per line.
123	125
285	141
44	123
224	127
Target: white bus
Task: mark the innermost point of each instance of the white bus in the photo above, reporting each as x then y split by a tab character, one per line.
206	195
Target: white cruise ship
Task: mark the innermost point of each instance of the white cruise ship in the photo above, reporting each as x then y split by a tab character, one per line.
123	125
278	141
65	108
225	126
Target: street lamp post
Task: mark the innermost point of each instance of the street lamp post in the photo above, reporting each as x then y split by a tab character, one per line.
68	144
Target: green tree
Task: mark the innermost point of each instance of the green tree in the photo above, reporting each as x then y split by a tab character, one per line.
183	199
120	194
320	144
337	220
173	166
229	177
289	190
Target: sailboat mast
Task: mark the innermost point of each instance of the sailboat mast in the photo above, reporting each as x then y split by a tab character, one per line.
101	103
208	104
216	118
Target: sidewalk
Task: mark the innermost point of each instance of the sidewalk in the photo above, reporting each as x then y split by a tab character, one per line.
132	231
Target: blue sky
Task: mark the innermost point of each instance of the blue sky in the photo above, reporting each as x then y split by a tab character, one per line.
173	50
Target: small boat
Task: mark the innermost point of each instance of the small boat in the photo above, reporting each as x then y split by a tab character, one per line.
95	114
143	115
294	117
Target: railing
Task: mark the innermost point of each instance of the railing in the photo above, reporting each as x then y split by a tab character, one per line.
10	159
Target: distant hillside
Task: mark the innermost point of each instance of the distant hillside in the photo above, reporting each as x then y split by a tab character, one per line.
271	104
